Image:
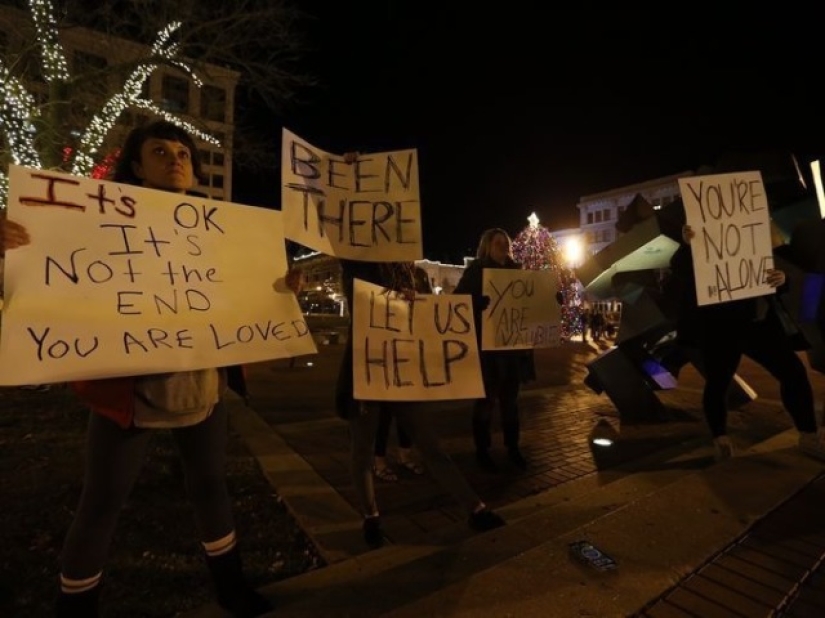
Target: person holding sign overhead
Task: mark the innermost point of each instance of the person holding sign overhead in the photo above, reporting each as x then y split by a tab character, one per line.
161	156
723	332
501	369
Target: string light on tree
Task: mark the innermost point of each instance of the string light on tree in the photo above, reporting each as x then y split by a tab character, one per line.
18	109
536	249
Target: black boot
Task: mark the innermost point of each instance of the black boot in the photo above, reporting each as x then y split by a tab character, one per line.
234	594
78	604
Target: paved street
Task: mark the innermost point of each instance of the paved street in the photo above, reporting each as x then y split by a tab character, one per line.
303	449
558	415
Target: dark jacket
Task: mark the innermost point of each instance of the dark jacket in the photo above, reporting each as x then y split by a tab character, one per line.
695	324
472	283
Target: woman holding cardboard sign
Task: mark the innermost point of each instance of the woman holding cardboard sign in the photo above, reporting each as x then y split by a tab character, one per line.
501	369
160	156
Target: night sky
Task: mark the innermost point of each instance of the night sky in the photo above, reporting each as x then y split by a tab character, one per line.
514	109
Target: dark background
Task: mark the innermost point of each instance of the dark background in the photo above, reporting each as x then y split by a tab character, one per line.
515	108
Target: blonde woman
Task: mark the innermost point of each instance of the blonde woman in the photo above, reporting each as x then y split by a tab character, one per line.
500	369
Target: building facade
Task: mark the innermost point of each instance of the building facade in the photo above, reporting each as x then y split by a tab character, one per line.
89	53
598	213
443	277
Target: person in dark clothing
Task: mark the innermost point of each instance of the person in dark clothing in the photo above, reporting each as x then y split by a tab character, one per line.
724	332
500	369
412	416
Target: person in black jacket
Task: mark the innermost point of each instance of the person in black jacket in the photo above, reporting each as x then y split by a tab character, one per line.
724	332
500	369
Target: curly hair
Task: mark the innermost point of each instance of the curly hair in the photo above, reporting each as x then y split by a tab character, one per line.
159	129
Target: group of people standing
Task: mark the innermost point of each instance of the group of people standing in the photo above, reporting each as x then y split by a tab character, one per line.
369	420
125	411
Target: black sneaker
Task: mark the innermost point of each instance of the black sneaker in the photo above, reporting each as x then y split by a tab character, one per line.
485	462
484	520
517	459
373	535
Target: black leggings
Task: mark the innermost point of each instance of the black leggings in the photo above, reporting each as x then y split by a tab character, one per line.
385	416
500	372
766	344
114	458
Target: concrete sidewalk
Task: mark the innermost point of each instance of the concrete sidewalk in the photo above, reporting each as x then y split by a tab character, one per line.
658	480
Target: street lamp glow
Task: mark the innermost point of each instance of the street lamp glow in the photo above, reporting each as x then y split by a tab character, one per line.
573	251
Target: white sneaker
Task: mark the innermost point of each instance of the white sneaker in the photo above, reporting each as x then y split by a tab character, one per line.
723	448
813	443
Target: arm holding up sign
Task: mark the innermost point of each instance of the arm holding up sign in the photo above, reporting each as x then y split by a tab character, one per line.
723	332
12	235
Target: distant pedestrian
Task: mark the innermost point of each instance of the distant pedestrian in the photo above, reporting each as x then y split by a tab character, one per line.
501	370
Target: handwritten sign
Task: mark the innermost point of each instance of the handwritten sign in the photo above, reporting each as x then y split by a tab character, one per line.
424	350
122	280
366	210
523	312
732	243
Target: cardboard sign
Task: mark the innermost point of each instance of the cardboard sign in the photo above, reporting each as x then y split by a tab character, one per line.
367	210
420	350
523	312
122	280
732	244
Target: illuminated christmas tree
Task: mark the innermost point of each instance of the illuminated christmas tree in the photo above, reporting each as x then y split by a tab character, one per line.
536	249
